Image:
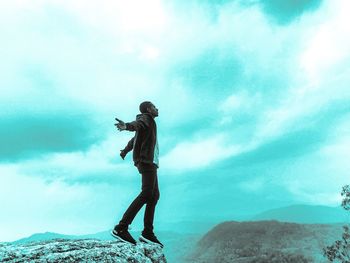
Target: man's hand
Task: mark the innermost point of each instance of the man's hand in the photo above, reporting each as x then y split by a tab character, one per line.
120	125
122	154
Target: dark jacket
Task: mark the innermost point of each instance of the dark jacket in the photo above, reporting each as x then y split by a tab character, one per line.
143	143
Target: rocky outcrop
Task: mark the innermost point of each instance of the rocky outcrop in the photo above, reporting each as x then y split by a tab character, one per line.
82	250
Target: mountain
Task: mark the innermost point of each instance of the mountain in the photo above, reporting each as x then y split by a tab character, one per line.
305	214
81	250
265	241
42	237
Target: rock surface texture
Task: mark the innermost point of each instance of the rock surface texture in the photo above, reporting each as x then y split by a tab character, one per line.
83	250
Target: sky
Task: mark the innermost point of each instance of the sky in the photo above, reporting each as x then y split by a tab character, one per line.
253	99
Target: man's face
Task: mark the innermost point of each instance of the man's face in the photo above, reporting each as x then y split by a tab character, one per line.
153	110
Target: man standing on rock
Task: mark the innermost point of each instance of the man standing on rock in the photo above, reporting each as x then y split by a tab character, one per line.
145	156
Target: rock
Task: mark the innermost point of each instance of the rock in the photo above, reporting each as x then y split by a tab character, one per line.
81	250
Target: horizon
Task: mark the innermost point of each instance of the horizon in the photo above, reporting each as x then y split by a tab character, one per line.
205	224
253	103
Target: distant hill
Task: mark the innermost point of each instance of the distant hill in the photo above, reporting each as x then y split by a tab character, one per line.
105	235
43	237
305	214
265	241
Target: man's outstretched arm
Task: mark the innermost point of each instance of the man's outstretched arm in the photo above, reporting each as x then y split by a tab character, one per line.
139	123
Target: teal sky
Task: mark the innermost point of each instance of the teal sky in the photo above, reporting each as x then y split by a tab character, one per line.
253	99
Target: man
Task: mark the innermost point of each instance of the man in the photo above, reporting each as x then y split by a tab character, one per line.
145	156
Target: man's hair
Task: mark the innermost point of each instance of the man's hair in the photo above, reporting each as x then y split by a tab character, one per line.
144	105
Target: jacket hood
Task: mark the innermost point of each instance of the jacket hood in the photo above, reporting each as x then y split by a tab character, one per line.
143	115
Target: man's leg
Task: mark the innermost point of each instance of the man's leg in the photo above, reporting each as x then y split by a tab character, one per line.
147	233
148	182
150	207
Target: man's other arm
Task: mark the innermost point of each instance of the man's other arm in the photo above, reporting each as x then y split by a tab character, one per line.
130	145
127	148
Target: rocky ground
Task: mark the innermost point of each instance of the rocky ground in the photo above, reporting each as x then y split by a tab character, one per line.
83	250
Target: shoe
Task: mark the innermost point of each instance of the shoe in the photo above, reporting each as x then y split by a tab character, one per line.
150	238
123	235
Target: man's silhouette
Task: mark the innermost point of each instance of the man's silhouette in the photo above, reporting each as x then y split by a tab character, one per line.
145	156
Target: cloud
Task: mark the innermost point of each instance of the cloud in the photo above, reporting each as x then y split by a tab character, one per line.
335	151
326	52
252	95
282	103
63	57
40	205
284	12
283	148
254	185
100	163
211	73
318	179
198	153
309	167
240	108
278	12
29	136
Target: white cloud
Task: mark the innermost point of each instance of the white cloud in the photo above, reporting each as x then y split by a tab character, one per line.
306	195
328	44
83	66
101	162
30	205
118	16
336	151
240	103
197	154
319	178
150	53
108	56
235	102
315	69
253	185
33	204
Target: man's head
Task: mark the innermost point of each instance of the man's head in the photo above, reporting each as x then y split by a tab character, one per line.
148	107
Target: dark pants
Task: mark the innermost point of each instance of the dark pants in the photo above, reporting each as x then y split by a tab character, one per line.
149	195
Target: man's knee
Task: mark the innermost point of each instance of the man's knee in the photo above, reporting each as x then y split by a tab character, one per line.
149	196
146	195
155	197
